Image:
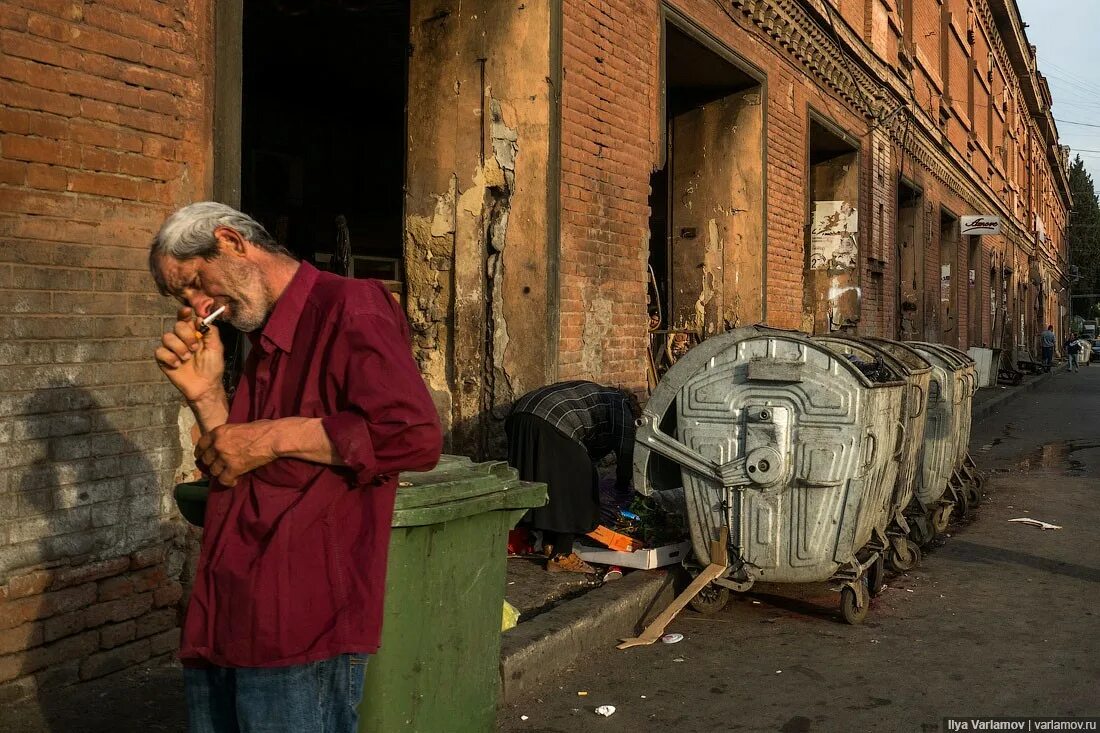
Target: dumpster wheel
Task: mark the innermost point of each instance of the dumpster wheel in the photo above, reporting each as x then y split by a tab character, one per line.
973	494
852	607
710	600
940	517
902	562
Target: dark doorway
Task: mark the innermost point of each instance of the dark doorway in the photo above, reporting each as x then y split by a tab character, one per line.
975	301
910	243
949	279
323	130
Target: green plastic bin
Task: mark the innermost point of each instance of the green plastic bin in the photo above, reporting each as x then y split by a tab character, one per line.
439	665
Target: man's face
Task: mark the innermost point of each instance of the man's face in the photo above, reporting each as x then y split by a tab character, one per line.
228	279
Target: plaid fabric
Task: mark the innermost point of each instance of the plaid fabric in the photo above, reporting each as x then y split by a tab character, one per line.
597	417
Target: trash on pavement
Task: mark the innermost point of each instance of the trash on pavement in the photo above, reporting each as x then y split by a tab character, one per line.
605	710
511	617
583	693
672	638
613	573
1035	523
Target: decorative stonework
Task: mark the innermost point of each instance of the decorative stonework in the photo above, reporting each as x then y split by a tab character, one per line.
845	71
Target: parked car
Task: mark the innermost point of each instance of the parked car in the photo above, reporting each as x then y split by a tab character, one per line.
1095	349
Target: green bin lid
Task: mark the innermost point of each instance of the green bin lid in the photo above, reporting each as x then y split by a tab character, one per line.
457	487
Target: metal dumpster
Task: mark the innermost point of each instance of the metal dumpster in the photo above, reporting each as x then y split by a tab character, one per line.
786	443
919	505
904	553
880	365
967	470
946	434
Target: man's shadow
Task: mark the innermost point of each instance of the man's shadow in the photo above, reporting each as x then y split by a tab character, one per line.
95	566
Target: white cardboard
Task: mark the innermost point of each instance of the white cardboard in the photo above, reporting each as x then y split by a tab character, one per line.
646	559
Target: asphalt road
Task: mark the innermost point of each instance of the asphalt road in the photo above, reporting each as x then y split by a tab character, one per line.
1001	620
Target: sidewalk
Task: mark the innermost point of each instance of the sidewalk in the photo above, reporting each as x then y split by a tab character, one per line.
571	622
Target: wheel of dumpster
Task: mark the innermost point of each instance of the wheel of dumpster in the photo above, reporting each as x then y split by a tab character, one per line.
906	560
710	600
876	576
848	607
940	517
973	495
962	503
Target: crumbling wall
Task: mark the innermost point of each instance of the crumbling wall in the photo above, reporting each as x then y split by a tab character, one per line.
476	234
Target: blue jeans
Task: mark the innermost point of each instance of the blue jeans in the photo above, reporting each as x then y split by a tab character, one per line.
320	697
1072	363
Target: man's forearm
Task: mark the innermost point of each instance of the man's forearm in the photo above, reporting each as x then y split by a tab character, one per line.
211	412
304	438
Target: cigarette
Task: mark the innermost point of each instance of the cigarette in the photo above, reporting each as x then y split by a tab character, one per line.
204	324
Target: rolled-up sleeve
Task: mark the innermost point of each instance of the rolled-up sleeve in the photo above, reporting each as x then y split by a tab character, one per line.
388	423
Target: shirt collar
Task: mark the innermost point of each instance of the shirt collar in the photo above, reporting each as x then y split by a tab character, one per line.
279	330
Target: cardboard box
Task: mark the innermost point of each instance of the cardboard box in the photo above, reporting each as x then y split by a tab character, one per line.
647	559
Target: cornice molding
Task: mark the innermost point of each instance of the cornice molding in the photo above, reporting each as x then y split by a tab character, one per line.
861	78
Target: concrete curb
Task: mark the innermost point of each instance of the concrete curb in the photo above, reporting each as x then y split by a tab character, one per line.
544	647
993	404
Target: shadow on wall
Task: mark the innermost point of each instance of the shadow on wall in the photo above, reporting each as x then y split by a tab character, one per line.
95	559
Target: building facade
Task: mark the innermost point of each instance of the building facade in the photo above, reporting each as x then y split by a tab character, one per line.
555	190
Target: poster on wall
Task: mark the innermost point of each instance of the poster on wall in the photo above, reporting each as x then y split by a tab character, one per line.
833	236
945	283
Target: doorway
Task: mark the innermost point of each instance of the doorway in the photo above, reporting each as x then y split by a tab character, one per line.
949	286
831	297
707	199
910	246
323	103
974	290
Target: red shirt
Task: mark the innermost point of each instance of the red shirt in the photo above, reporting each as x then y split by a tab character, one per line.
293	561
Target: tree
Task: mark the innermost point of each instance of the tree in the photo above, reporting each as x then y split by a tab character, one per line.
1083	235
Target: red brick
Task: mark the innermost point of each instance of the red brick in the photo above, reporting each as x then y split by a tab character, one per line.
29	584
113	589
165	642
157	621
146	557
114	660
168	595
21	637
120	610
19	611
66	624
114	635
90	571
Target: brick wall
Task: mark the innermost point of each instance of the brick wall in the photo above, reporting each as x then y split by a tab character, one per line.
104	129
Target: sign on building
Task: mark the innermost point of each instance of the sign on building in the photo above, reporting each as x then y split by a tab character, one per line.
975	225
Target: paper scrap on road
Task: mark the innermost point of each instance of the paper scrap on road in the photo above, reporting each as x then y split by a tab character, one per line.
1035	523
523	717
605	710
583	693
672	638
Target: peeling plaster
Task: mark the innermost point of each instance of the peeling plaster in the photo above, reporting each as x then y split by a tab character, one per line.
597	327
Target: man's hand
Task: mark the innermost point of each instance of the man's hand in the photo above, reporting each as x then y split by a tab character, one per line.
234	449
192	362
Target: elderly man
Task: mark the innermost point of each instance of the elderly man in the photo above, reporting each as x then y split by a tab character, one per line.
287	600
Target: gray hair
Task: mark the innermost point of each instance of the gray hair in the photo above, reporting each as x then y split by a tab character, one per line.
189	233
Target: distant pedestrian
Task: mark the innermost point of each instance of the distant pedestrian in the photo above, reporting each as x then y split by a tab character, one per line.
1048	341
1073	348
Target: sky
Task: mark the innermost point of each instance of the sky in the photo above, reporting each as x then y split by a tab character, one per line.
1065	33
